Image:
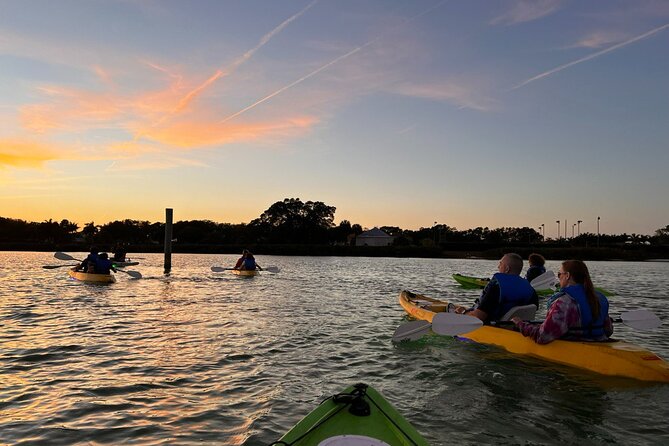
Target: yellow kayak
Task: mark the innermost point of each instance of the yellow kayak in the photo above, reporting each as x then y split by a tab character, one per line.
615	358
245	272
92	278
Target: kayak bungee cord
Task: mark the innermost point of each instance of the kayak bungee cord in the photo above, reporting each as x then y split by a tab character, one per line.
315	426
358	406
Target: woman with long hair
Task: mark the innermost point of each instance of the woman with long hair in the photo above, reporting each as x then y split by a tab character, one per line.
578	312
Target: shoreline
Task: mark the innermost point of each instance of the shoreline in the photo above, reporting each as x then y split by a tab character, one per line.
550	252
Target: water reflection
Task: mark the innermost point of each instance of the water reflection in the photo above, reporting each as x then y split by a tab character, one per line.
200	357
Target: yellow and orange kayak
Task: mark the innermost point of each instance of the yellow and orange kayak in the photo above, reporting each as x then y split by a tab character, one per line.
91	278
245	272
615	358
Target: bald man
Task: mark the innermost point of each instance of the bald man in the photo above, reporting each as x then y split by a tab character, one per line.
505	290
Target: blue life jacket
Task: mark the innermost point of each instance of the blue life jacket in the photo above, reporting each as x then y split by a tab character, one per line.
590	327
514	291
102	266
249	263
534	271
91	259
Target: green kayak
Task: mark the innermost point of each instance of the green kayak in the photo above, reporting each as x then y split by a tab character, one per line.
471	282
359	416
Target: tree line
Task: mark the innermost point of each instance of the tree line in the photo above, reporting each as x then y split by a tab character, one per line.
290	221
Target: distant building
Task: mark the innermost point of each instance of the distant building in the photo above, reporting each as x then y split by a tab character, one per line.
374	237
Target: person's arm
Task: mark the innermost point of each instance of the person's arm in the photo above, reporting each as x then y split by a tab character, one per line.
487	303
608	327
559	318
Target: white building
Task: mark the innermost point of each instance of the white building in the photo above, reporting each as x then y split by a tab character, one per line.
374	237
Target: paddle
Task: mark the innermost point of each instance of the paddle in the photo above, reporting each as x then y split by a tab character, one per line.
220	269
62	256
133	274
451	324
55	266
411	331
544	281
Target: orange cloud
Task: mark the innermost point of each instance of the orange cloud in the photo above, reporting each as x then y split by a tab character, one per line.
202	133
24	154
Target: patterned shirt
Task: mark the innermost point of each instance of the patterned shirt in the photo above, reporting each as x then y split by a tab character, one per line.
562	315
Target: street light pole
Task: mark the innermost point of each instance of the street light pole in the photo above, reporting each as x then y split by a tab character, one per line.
598	218
565	228
558	222
572	229
579	226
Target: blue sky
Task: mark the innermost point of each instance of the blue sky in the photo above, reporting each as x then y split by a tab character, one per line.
466	113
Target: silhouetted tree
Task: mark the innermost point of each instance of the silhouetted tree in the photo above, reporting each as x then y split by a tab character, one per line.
291	221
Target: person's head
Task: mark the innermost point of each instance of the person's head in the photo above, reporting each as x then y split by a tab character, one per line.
536	259
94	249
245	252
510	263
575	272
103	255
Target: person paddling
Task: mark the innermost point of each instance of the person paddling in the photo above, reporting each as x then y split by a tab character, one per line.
505	290
535	266
247	262
88	264
578	311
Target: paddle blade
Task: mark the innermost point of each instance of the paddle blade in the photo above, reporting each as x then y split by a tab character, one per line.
640	319
544	281
62	256
272	269
133	274
451	324
55	266
220	269
411	331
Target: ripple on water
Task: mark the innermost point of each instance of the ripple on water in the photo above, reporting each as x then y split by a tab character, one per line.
206	358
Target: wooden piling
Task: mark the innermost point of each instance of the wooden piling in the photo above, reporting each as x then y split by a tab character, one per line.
168	240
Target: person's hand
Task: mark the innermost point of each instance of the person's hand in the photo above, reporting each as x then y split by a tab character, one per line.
516	320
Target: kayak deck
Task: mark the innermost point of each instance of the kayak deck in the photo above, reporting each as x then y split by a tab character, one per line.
245	272
91	278
614	358
358	416
471	282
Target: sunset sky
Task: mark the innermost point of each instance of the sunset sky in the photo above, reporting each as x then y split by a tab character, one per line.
404	113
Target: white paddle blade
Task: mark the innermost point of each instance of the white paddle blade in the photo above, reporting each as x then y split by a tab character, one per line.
62	256
451	324
545	281
219	269
411	331
641	319
272	269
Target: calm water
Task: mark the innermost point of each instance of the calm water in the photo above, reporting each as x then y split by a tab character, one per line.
210	358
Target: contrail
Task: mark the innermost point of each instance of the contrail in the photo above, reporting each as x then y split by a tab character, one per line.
332	62
267	37
592	56
246	56
191	95
303	78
